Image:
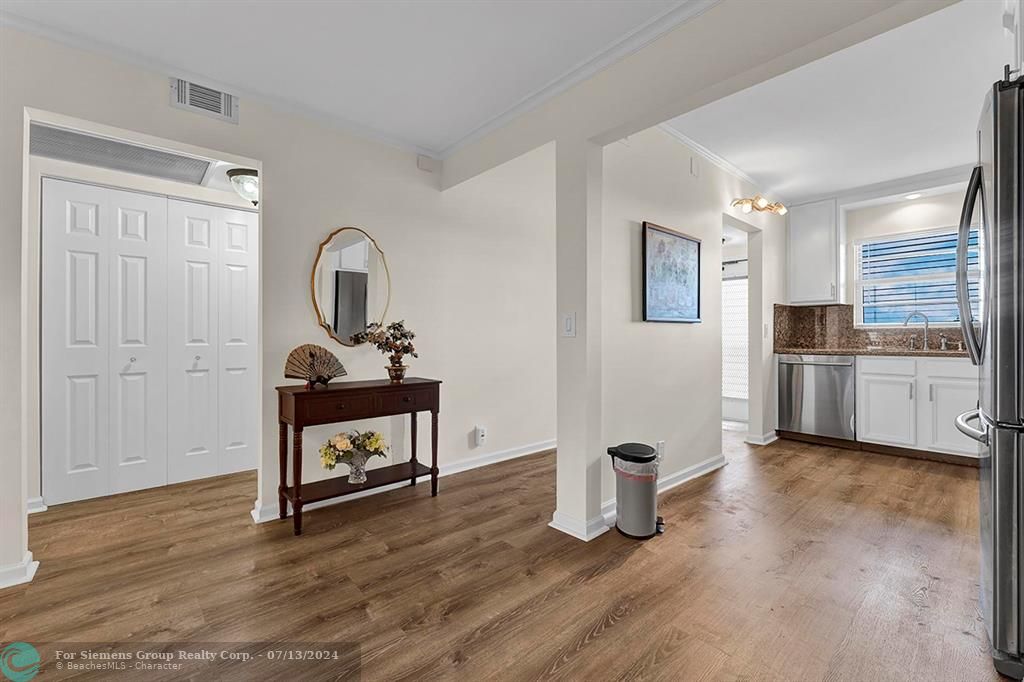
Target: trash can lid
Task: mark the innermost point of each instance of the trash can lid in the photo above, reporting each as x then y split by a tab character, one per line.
633	452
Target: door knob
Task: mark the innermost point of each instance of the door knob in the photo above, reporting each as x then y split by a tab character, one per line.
131	359
197	358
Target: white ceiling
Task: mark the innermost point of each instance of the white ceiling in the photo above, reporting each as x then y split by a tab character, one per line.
903	103
424	74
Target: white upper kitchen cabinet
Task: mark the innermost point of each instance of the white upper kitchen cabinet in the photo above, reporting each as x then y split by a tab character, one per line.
815	245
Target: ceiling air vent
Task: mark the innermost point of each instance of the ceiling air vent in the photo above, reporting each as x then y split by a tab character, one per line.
204	100
79	147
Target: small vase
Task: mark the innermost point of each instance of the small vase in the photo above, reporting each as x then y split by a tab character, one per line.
357	468
397	373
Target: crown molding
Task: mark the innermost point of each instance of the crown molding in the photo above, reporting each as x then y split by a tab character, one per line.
632	42
855	197
164	69
714	158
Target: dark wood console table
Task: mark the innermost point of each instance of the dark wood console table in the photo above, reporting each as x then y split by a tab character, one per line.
347	401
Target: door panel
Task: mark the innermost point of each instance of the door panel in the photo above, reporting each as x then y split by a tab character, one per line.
193	352
138	330
81	446
74	318
238	331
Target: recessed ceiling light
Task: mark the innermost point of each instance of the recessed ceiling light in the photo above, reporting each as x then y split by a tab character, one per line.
911	197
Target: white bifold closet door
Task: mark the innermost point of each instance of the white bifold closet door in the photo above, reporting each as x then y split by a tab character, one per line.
149	326
212	261
104	338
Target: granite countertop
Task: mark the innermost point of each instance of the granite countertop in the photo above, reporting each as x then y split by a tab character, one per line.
931	353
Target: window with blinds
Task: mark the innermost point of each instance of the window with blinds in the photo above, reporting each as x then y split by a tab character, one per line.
734	338
896	276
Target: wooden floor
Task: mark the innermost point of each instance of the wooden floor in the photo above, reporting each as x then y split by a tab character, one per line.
794	562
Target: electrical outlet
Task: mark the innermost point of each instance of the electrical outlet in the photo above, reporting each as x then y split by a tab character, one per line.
660	448
480	435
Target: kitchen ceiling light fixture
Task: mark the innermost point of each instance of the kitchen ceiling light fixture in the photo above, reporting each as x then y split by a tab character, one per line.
911	197
246	182
759	203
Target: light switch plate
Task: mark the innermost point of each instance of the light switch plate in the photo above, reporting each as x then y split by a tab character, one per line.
568	328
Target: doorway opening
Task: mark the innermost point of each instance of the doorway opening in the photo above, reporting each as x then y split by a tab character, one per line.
735	330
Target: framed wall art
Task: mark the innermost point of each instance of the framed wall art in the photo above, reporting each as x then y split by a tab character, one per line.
671	266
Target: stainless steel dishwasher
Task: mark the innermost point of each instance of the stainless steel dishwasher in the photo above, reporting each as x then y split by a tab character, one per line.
816	395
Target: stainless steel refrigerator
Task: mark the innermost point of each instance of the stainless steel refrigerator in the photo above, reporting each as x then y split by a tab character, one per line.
995	341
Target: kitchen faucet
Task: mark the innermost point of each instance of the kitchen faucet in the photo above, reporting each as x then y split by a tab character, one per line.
923	317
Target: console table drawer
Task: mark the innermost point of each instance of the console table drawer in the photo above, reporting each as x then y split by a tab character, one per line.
340	408
400	402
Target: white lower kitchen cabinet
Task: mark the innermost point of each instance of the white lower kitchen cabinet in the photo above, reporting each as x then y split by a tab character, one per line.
912	402
949	387
886	410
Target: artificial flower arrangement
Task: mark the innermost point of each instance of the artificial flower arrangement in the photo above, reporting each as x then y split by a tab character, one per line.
353	448
395	341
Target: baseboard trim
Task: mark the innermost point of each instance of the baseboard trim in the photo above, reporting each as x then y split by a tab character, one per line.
478	461
763	439
19	573
261	513
36	505
879	449
671	481
581	530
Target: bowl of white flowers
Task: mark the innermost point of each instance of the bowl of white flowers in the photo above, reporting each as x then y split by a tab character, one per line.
353	448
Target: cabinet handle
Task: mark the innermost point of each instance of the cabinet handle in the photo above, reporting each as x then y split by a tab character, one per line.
911	391
931	393
340	406
833	291
407	399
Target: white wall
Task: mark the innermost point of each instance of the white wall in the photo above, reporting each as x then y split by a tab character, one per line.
941	210
473	268
663	381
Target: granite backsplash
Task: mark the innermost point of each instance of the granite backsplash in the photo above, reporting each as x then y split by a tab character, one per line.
831	326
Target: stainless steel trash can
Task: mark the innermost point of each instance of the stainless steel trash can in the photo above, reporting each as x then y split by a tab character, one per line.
636	490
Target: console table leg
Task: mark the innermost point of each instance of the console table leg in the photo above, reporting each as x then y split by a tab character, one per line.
433	454
412	416
282	481
297	479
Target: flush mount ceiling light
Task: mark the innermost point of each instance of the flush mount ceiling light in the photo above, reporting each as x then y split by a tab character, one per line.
246	182
911	197
759	203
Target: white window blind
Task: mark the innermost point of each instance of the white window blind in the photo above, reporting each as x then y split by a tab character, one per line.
735	350
898	275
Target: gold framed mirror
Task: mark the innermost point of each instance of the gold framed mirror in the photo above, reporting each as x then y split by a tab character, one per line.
350	283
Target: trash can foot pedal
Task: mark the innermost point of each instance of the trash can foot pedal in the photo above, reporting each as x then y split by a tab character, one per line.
659	526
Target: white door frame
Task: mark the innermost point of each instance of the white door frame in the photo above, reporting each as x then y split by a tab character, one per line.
34	169
757	377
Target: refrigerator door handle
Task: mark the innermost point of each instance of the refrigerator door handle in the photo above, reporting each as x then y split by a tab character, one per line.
963	293
962	425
